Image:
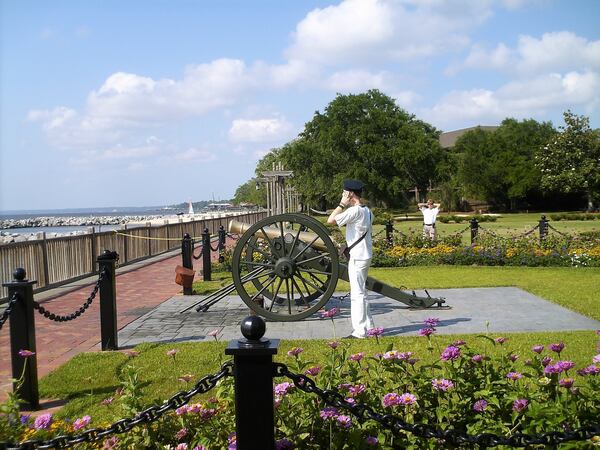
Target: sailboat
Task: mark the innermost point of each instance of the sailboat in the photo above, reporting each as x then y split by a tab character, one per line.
190	208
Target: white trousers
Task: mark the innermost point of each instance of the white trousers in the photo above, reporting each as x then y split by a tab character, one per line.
359	306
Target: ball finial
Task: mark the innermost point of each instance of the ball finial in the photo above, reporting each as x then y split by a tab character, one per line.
19	274
253	328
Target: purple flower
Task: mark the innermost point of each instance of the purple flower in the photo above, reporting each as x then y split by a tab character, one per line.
356	390
182	410
546	360
333	344
357	356
538	348
372	441
375	332
552	368
182	446
110	443
566	382
295	351
392	354
391	399
513	358
25	418
43	421
172	352
514	376
26	353
596	359
441	384
501	340
408	399
557	348
344	421
459	342
283	388
431	322
520	404
81	423
477	358
412	361
426	331
329	314
329	413
565	365
313	371
450	353
480	405
589	370
404	356
107	401
284	444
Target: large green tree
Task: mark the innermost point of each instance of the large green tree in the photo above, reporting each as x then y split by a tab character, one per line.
498	166
368	137
570	161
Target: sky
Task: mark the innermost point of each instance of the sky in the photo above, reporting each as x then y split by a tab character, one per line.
156	102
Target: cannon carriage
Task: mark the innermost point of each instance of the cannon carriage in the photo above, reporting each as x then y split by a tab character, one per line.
286	267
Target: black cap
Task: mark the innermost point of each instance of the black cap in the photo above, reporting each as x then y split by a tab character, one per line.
353	185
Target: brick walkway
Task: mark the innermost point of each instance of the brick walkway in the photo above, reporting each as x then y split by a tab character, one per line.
138	292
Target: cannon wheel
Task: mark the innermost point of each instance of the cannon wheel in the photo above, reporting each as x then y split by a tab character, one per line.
291	279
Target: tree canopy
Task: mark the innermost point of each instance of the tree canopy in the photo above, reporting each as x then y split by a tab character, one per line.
367	137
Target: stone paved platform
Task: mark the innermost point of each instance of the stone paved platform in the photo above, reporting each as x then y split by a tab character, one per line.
507	309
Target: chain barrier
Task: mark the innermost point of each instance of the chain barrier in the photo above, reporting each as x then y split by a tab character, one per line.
235	237
557	231
452	436
199	254
146	416
459	233
58	318
7	311
514	238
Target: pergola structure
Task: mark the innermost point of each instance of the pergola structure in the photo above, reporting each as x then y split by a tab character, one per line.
281	197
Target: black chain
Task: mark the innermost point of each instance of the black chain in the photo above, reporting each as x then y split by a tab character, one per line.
235	237
199	254
58	318
148	415
456	437
7	311
557	231
527	233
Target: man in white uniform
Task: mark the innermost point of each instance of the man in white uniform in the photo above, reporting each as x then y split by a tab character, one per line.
358	220
430	211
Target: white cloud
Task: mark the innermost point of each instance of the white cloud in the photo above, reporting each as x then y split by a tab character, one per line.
553	52
357	80
260	130
532	97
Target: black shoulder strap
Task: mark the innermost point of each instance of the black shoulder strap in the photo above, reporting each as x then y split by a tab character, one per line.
363	236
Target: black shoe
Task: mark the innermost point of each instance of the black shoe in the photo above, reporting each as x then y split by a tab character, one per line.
350	336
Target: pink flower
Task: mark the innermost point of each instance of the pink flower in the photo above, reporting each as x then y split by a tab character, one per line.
107	401
557	348
514	376
459	343
295	351
329	314
404	356
313	371
565	365
81	423
333	344
182	446
344	421
426	331
132	353
213	334
520	405
451	353
26	353
182	410
546	360
110	443
187	377
431	322
371	440
357	356
392	354
596	359
440	384
408	399
375	332
513	358
181	434
172	352
391	399
283	388
43	421
356	390
501	340
480	405
477	358
538	348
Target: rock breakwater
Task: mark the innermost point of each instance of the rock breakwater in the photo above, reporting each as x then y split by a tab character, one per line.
35	222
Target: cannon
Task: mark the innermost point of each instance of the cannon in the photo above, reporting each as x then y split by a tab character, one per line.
286	267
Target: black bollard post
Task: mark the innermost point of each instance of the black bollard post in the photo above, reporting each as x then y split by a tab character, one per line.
543	229
206	268
389	230
108	300
222	236
474	230
253	376
22	339
187	248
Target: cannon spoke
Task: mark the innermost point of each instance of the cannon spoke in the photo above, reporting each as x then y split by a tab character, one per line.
314	258
314	271
271	281
309	283
295	241
256	263
300	292
256	277
275	294
307	247
259	250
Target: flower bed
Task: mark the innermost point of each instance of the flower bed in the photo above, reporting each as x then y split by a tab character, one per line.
489	250
475	387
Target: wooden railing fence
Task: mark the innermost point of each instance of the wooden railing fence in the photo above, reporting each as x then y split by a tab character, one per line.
57	261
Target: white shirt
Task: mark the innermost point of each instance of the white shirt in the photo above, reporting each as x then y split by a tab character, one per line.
357	219
429	214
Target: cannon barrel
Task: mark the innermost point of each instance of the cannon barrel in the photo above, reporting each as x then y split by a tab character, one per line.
307	237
